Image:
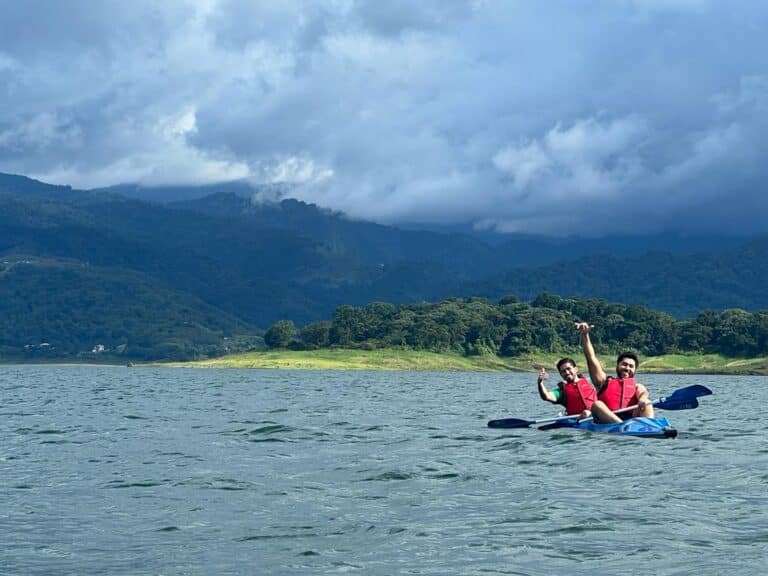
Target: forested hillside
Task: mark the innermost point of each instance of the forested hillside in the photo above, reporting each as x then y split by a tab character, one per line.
682	285
79	268
68	309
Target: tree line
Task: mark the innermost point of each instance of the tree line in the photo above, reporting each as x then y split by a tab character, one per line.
513	328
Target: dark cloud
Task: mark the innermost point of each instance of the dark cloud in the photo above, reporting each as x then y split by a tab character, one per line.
550	117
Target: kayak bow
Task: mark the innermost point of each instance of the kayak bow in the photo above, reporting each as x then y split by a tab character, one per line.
639	427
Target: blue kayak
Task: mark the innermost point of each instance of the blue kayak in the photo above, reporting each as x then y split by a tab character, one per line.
640	427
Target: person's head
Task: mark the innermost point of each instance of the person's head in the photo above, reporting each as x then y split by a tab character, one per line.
567	369
626	365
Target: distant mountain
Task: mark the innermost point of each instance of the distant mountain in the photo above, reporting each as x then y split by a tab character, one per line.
453	244
369	244
15	184
682	285
228	263
167	194
460	252
233	267
536	250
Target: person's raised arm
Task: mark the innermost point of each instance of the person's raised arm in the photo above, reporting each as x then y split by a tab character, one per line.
543	392
596	372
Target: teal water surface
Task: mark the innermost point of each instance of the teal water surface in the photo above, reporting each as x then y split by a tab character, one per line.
115	470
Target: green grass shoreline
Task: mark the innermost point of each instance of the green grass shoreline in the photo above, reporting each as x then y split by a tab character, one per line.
403	359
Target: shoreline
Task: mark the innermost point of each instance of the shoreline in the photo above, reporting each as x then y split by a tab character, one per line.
417	360
403	359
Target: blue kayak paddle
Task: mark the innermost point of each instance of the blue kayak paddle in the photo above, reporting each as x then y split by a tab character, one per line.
520	423
681	399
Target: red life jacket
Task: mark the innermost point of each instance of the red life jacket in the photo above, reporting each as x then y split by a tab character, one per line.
619	393
578	396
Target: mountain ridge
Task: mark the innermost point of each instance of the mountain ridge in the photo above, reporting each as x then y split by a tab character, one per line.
257	262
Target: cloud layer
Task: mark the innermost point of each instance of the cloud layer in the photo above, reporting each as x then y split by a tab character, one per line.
552	117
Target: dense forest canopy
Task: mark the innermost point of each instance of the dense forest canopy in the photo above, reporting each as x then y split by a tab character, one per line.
514	328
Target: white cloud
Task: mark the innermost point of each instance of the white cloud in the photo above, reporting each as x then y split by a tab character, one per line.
7	62
294	170
165	158
514	115
178	166
524	163
43	130
185	122
590	159
594	141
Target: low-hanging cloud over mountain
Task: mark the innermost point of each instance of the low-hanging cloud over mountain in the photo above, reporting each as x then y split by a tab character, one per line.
620	116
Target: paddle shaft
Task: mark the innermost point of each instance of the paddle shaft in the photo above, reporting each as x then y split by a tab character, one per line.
681	399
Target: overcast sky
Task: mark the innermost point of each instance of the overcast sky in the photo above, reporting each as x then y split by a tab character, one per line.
558	117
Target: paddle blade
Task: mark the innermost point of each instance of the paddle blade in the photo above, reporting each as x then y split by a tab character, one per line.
510	423
684	398
677	404
693	391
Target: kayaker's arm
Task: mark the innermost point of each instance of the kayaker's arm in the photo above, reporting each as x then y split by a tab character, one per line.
644	404
545	394
596	372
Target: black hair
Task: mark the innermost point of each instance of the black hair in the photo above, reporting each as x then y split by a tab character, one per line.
564	361
630	355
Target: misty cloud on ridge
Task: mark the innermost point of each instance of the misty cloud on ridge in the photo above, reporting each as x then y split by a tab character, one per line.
532	117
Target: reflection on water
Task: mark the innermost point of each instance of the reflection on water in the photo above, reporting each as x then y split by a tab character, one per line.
177	471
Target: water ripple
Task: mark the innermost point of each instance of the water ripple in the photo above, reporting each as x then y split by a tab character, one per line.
177	471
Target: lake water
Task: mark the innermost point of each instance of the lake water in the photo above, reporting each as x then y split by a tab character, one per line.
114	470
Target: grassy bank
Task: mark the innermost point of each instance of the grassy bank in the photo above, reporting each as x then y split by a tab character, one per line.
343	359
705	364
396	359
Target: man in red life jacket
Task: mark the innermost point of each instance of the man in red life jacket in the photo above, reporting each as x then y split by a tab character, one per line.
574	391
614	393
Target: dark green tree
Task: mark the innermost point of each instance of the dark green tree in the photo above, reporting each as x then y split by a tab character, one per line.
315	335
347	326
280	334
693	336
508	299
734	334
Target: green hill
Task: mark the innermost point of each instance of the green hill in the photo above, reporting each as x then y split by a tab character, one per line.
58	308
234	268
682	285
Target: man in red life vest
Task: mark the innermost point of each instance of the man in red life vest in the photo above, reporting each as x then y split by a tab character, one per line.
614	393
574	391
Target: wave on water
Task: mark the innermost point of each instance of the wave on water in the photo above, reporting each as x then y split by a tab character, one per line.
292	473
